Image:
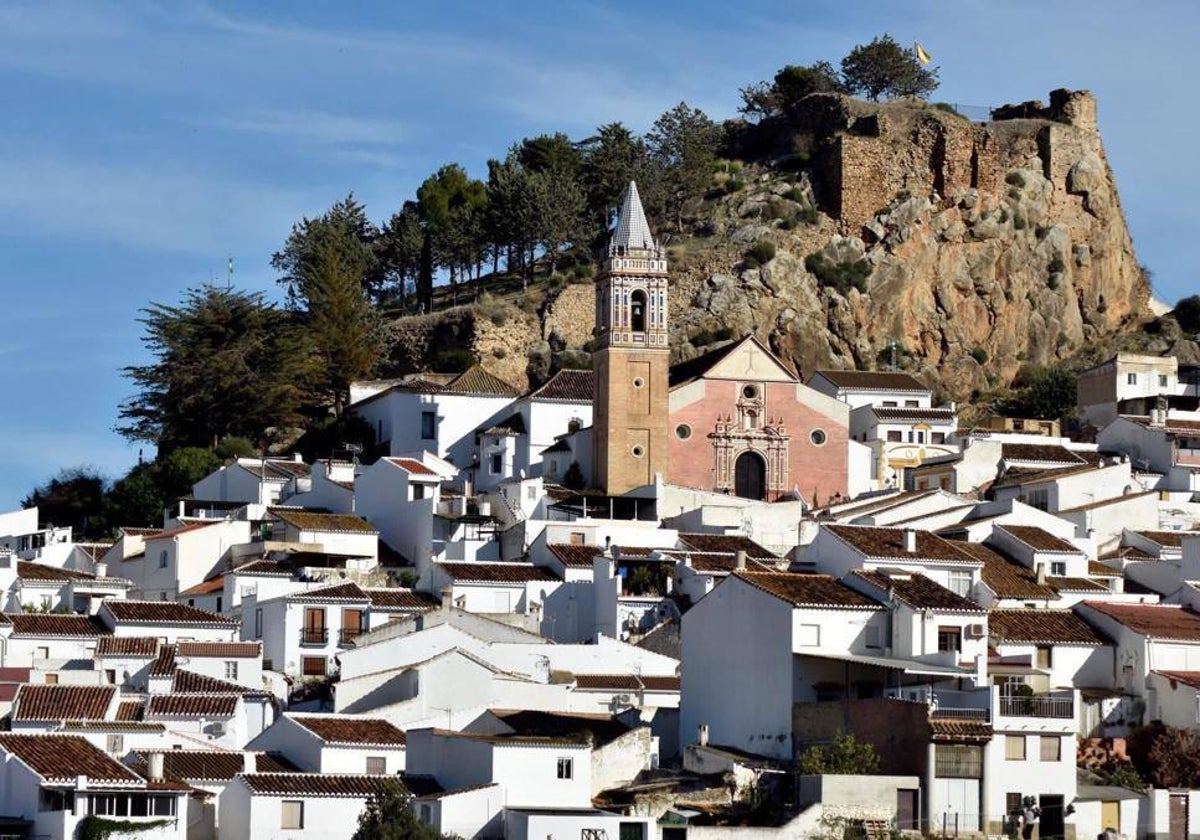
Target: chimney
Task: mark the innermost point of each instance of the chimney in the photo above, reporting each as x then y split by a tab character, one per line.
910	540
702	736
101	570
608	542
298	458
154	766
249	762
740	560
447	596
1041	574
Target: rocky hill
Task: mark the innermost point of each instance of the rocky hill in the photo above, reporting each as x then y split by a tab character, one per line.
971	247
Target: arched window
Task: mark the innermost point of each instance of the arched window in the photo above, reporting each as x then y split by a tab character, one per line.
637	311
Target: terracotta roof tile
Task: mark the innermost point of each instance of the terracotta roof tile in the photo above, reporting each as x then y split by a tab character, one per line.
575	556
359	731
872	380
412	465
205	587
263	567
314	784
1100	570
133	647
400	599
163	612
189	682
129	711
476	380
495	572
1188	678
1167	539
68	626
182	529
803	590
40	571
350	592
960	730
513	425
726	543
1041	626
192	705
220	650
1038	538
1006	577
212	765
573	385
62	702
1158	621
603	728
63	758
1039	452
1075	584
919	592
916	415
889	544
1115	500
625	682
1019	476
332	523
164	665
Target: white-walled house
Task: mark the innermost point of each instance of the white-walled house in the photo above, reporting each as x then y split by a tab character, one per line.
257	481
839	549
563	404
341	534
179	558
325	743
1127	383
48	642
1168	445
302	806
48	588
54	782
166	620
399	497
1147	637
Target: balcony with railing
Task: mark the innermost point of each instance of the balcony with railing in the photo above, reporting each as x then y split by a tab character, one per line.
347	635
314	636
1053	705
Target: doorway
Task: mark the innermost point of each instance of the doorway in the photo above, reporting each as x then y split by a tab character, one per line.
750	476
1051	823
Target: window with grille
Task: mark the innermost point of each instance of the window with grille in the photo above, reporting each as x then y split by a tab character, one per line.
231	670
376	765
949	639
958	761
566	768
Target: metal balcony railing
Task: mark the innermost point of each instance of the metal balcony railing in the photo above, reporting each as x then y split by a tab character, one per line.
1043	706
314	635
961	714
347	635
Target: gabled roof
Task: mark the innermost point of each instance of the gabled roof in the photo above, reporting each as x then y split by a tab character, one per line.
64	626
1008	578
872	380
959	730
330	523
192	705
128	647
889	544
1158	621
1020	476
1167	539
412	465
567	386
495	572
575	556
352	730
189	682
205	587
1041	627
40	571
690	370
267	568
915	415
64	758
180	531
512	425
347	592
1115	500
476	380
603	729
164	665
163	612
314	784
919	592
804	590
1039	539
220	650
1053	453
625	682
62	702
1188	678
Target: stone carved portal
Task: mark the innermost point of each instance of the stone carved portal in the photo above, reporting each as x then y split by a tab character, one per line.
766	444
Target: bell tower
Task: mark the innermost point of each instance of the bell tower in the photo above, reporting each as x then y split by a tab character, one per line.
632	357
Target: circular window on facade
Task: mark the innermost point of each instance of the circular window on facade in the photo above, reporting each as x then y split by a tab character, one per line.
749	391
683	431
638	382
638	452
817	436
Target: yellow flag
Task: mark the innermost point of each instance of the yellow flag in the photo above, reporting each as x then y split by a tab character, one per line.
922	56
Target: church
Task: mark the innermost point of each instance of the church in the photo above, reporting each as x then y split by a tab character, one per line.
735	420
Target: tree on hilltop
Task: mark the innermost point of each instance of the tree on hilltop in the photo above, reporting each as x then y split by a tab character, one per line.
72	499
611	159
781	96
453	207
884	68
344	225
400	244
684	144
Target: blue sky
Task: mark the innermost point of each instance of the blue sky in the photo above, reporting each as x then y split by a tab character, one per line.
144	143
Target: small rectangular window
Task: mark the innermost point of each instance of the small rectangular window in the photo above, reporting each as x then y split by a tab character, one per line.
292	815
1043	657
911	403
1131	378
937	437
959	583
1012	803
1051	748
1058	568
889	403
566	767
949	639
1162	381
231	670
873	637
428	425
258	623
418	491
51	679
577	538
376	765
497	464
1014	747
42	653
313	666
809	635
893	436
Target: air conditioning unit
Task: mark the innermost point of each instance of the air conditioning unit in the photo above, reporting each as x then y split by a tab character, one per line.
622	700
976	631
218	729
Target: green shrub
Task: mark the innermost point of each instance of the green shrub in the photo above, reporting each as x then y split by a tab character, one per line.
452	360
1056	265
750	261
707	336
734	185
1187	314
763	251
1015	179
945	106
842	276
980	355
903	195
1019	222
809	216
1003	217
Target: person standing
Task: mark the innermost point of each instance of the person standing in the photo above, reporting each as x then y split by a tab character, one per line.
1029	817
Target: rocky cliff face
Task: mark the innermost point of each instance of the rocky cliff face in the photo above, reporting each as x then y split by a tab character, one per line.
972	248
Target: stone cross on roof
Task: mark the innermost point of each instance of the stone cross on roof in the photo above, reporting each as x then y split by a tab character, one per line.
633	231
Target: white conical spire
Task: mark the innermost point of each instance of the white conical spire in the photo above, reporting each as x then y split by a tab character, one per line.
633	231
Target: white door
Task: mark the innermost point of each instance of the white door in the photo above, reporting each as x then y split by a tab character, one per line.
957	804
503	602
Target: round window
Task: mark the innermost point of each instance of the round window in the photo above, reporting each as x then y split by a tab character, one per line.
638	452
817	436
749	391
638	382
683	431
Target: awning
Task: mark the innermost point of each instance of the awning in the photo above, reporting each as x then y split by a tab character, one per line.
908	666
